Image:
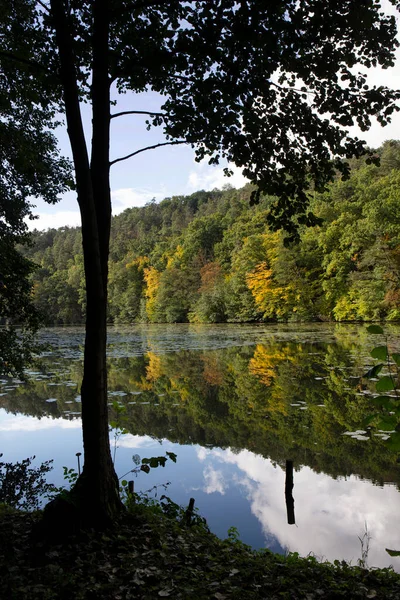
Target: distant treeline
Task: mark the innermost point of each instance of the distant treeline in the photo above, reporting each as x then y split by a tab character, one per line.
210	257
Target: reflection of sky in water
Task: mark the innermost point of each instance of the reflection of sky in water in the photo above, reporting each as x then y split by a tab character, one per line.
240	489
46	438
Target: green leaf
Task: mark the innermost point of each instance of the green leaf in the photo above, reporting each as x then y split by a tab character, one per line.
124	483
385	384
396	358
368	419
172	456
393	552
156	461
380	352
393	442
374	371
145	468
384	401
388	423
374	329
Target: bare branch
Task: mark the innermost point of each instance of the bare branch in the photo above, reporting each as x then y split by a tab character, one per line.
175	143
119	73
137	112
43	5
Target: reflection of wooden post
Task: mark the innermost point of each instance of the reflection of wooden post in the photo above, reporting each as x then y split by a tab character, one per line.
288	492
189	512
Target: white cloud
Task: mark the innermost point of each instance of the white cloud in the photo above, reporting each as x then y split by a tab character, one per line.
134	441
204	177
214	481
202	453
62	218
24	423
128	197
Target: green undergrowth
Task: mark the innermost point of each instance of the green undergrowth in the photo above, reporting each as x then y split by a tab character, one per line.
148	555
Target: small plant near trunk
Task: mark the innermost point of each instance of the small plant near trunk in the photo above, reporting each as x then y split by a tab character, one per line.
23	486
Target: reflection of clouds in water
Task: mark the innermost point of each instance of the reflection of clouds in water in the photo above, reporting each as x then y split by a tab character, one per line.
245	483
330	514
202	453
24	423
214	478
215	481
134	441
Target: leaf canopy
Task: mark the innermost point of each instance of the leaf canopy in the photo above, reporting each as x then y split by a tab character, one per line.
268	86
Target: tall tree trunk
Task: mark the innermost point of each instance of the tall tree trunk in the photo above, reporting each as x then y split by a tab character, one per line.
98	476
96	491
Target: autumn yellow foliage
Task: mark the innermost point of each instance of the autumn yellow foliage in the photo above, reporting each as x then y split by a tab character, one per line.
174	260
154	367
264	365
140	263
152	280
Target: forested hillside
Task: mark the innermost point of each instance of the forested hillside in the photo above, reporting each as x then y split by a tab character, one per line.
210	257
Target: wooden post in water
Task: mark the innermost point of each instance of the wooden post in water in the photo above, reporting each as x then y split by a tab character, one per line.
288	493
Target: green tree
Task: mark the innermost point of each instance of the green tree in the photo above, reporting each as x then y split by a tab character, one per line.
359	242
175	295
30	167
211	304
228	74
126	289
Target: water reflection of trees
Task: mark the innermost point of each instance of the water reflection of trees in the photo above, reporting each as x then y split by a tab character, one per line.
281	400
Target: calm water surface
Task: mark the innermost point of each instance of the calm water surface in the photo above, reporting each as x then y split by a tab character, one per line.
234	403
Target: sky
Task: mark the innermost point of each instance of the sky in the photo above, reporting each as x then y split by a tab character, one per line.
171	170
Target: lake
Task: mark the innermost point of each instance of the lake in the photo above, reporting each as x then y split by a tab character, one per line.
234	403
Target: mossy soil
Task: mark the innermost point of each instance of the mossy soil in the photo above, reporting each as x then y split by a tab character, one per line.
147	555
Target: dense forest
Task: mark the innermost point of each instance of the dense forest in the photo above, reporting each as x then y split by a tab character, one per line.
210	257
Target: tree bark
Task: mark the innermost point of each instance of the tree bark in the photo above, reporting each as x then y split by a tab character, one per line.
95	494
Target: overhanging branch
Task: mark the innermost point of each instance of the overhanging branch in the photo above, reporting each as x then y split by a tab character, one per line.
25	61
175	143
43	5
137	112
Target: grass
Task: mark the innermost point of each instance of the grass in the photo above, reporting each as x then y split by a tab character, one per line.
148	556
